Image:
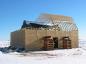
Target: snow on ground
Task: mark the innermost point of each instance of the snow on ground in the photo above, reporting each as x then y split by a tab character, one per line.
4	43
60	56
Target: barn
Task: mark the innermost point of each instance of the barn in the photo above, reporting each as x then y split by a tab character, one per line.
48	32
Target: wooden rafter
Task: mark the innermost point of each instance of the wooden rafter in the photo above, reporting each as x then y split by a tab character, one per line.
64	22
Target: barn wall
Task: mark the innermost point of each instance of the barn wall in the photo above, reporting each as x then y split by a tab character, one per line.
18	38
74	38
73	35
37	42
62	34
34	39
51	33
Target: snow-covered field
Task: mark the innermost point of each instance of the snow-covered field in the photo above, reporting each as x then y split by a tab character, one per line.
60	56
4	43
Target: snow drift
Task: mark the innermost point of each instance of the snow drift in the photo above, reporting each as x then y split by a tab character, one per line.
60	56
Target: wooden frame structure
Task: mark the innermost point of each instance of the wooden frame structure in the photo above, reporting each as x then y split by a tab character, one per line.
62	28
64	22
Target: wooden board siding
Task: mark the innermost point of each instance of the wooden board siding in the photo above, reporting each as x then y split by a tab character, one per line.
18	39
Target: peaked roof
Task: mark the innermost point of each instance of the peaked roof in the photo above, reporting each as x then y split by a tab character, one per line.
65	23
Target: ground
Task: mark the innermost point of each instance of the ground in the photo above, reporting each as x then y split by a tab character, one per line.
60	56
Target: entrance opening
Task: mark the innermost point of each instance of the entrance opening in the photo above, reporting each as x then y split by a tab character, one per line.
66	43
55	39
48	43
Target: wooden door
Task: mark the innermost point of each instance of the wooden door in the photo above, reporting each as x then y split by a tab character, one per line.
65	44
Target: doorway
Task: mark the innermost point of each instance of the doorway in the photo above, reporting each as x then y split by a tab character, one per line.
66	43
55	39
